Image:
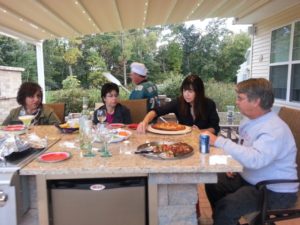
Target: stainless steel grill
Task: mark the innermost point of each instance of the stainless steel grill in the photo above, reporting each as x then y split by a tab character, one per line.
13	187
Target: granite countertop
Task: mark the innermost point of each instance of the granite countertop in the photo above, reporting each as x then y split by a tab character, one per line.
124	163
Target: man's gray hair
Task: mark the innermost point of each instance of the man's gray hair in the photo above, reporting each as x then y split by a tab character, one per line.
257	88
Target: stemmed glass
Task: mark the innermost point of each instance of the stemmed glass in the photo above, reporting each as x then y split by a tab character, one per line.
26	120
101	115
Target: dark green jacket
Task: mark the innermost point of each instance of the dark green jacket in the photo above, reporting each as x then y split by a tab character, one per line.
45	117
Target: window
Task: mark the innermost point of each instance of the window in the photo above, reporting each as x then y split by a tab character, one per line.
285	62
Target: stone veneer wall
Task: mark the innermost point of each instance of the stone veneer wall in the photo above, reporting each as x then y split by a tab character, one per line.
10	81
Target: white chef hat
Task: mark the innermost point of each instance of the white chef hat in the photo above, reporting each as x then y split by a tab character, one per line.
138	68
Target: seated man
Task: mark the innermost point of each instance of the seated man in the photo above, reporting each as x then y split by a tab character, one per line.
266	149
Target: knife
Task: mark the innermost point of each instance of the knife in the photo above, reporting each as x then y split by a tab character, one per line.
145	150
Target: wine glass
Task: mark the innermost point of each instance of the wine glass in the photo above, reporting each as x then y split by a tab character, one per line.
101	115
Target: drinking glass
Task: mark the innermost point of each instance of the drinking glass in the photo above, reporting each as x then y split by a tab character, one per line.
101	115
106	136
230	112
26	120
126	148
86	139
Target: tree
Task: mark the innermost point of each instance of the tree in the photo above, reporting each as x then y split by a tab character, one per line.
18	54
56	70
188	38
97	67
232	53
73	53
170	57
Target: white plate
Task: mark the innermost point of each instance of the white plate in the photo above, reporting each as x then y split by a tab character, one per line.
118	137
156	131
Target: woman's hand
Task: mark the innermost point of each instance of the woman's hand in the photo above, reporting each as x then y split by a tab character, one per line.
230	175
142	127
148	118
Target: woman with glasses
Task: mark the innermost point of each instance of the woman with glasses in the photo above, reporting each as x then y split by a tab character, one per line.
115	112
30	97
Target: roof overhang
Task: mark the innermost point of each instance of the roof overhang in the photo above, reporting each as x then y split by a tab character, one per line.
37	20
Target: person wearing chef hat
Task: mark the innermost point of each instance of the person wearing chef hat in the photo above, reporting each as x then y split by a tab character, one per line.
144	88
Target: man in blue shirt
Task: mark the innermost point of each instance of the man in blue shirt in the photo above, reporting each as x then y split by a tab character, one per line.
144	88
267	151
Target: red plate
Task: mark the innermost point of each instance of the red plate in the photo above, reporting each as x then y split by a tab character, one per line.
133	126
54	156
16	127
116	125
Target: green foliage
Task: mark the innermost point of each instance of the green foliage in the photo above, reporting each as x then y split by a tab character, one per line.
214	52
71	82
170	57
171	85
71	56
232	54
222	93
73	97
96	79
18	54
97	67
56	70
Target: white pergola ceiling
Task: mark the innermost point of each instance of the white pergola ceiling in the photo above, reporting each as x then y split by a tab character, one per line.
37	20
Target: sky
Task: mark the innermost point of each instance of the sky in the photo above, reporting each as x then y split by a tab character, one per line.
202	24
229	24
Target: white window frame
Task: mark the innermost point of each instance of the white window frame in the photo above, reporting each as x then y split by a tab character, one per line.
289	63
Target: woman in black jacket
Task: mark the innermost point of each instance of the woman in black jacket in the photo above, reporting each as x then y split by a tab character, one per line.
192	107
115	112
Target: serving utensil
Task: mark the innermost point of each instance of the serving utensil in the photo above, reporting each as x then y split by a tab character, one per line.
145	150
163	119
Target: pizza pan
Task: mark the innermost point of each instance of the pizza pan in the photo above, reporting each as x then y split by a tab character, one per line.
156	131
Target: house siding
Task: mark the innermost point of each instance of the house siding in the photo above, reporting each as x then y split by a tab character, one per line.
262	40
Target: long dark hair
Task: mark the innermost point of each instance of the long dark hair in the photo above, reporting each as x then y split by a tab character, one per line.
193	82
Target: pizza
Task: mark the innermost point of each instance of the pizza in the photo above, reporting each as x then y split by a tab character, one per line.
173	150
170	126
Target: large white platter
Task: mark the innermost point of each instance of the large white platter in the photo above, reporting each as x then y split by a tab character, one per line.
156	131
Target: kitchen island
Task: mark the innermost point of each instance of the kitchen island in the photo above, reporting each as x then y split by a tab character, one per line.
172	184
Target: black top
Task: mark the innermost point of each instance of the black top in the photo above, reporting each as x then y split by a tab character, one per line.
121	114
211	116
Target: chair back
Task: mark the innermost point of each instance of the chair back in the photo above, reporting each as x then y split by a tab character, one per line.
137	107
292	118
59	109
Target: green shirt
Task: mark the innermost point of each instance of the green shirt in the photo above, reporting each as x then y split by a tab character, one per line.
45	117
147	90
